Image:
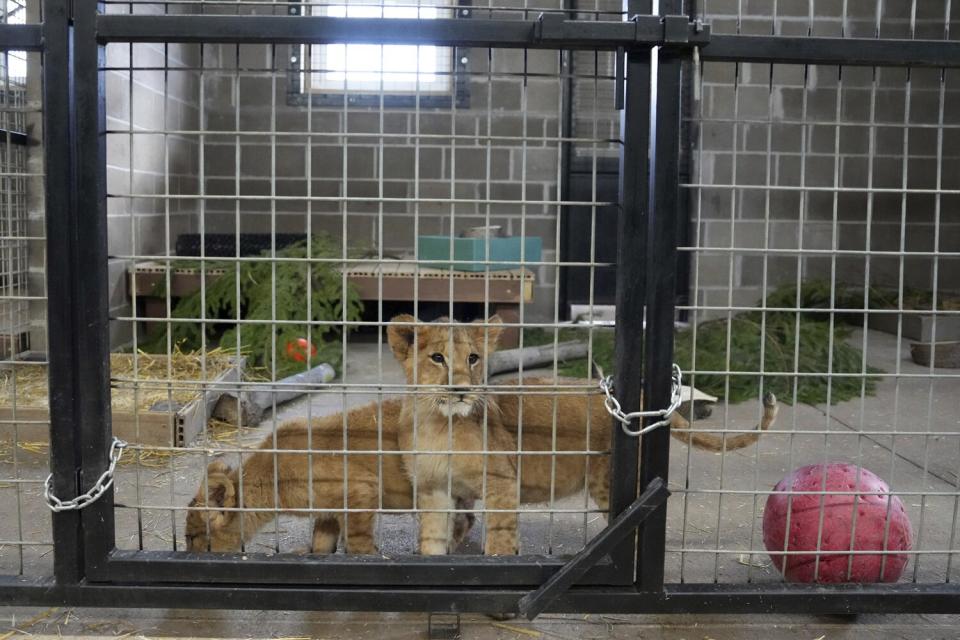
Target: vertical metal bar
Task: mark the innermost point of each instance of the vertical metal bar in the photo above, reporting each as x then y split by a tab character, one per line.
631	287
65	460
92	317
660	294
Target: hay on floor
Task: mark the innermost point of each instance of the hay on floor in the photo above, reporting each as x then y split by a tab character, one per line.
139	381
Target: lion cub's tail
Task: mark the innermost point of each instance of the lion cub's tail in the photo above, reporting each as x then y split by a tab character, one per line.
680	429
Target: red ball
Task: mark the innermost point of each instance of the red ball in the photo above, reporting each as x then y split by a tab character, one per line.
877	515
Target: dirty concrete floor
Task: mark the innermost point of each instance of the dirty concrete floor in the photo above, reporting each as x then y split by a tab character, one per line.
162	623
700	522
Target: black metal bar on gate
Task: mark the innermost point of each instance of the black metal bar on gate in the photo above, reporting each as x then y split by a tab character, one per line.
548	32
839	51
21	37
700	598
62	327
533	604
630	288
92	304
661	273
336	569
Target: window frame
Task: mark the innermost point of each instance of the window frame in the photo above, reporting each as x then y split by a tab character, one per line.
457	98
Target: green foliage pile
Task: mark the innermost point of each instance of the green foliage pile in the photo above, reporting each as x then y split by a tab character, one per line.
787	344
777	340
265	344
816	294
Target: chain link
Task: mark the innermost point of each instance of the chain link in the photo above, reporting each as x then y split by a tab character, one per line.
104	482
613	406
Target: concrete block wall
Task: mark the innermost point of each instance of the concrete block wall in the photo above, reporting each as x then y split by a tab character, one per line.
254	142
788	127
152	116
399	167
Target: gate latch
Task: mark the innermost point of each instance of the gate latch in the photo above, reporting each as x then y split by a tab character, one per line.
613	405
104	482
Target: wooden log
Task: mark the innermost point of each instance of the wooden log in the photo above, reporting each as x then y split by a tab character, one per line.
249	408
533	357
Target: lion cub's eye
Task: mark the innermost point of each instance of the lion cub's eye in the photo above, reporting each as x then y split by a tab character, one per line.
473	358
437	357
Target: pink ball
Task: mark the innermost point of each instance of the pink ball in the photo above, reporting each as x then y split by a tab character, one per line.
875	518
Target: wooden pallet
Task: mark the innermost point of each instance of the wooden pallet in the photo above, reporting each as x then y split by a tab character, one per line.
162	427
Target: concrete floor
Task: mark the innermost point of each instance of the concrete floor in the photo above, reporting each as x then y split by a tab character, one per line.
698	524
159	623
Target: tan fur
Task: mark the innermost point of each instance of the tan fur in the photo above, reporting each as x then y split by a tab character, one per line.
450	413
576	415
295	471
220	530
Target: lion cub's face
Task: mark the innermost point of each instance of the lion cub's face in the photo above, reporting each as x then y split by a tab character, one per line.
217	491
452	360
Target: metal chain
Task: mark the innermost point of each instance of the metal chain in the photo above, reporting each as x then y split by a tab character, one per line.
613	406
104	482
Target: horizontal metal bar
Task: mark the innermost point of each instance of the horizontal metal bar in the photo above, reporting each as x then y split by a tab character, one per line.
14	137
21	37
706	598
528	34
839	51
313	569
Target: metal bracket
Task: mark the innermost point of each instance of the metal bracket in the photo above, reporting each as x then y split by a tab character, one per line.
649	31
676	30
549	26
534	603
443	626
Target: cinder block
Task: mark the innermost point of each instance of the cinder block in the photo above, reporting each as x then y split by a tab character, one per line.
540	164
470	163
398	162
506	95
543	96
117	95
120	230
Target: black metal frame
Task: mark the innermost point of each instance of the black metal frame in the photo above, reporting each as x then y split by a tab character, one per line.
89	570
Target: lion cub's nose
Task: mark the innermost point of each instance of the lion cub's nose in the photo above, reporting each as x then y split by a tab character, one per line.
461	391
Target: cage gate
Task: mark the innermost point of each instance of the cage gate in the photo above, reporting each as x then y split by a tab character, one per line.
202	134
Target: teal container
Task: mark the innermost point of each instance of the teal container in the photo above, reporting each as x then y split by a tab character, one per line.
470	254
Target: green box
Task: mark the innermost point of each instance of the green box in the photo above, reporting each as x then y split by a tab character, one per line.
470	254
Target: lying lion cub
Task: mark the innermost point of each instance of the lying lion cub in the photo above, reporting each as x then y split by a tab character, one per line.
374	427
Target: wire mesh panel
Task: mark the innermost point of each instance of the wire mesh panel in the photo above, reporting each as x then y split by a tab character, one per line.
25	536
824	271
894	19
288	221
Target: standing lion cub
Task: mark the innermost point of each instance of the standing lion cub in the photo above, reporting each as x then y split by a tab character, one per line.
448	411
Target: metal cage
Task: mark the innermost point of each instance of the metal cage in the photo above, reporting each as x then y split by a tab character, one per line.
669	76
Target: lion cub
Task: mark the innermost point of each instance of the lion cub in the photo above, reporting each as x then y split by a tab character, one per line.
447	412
368	429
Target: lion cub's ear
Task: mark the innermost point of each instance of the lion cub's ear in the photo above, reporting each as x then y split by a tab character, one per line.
401	335
220	493
491	332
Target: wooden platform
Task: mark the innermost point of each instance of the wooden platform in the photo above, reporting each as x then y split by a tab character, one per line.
375	280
